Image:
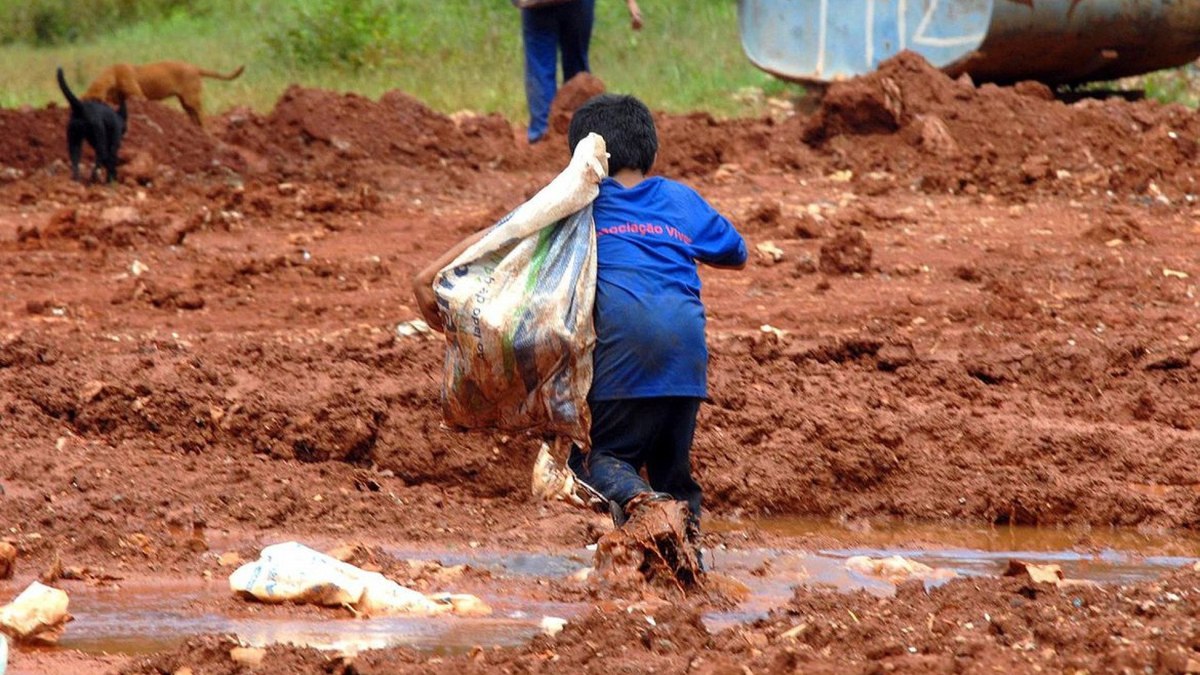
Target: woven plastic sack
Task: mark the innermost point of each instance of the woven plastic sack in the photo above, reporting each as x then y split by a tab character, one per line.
517	307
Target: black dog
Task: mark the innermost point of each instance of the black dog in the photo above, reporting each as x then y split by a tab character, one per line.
98	124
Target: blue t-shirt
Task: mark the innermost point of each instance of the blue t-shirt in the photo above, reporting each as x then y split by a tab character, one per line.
649	318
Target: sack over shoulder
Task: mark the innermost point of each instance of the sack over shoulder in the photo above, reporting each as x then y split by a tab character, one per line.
517	307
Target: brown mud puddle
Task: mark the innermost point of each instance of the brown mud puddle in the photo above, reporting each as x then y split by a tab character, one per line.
146	620
141	619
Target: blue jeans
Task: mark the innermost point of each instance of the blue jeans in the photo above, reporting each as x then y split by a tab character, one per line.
546	31
629	434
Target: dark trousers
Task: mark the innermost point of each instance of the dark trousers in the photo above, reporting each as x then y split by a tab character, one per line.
546	31
629	434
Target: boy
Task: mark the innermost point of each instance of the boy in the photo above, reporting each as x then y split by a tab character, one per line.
650	359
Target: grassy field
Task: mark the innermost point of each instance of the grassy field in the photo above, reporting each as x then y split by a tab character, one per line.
452	54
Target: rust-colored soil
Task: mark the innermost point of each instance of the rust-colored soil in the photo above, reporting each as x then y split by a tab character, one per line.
986	311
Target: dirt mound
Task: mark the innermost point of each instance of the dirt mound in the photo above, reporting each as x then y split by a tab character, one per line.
698	144
911	120
316	131
167	135
33	138
158	138
574	93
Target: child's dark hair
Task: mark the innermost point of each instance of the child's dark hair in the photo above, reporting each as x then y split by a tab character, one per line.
626	125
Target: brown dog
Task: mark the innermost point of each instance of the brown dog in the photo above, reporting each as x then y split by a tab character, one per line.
155	81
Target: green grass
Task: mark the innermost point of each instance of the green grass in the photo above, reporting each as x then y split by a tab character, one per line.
452	54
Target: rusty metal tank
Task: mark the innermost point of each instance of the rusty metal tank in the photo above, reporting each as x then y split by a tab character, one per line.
1055	41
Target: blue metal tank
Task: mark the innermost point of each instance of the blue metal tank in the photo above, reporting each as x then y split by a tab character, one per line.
1056	41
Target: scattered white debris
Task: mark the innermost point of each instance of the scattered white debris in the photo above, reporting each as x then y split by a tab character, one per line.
779	333
294	572
770	252
38	614
413	328
552	625
895	569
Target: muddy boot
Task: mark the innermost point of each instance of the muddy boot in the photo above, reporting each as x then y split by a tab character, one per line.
692	535
651	545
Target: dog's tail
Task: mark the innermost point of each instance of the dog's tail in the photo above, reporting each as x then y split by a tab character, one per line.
122	111
62	84
219	76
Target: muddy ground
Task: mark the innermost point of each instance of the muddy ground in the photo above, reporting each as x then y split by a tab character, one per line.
983	312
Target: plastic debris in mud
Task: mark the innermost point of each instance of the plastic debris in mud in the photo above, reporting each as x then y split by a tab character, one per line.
896	569
292	572
414	329
3	654
554	482
37	615
1043	574
247	657
552	625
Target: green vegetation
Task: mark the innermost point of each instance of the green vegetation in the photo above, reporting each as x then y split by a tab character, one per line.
341	33
48	22
452	54
1179	85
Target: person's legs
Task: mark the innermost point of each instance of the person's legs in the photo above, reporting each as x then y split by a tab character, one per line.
540	33
622	432
669	462
575	32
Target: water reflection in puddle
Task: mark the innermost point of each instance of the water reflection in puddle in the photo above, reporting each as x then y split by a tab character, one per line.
154	618
138	621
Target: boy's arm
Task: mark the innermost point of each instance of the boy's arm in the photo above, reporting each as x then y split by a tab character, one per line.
719	245
737	266
716	241
423	281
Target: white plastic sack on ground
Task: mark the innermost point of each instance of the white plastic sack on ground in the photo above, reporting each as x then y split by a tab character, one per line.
292	572
38	614
517	306
896	569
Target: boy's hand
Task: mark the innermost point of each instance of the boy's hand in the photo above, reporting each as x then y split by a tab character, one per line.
427	303
635	14
423	282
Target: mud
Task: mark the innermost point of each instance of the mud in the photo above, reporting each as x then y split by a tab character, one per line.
204	359
1004	624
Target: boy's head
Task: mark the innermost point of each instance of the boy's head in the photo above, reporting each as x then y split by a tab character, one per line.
626	125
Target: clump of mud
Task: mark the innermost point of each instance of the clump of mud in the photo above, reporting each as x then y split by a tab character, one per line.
848	252
652	547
